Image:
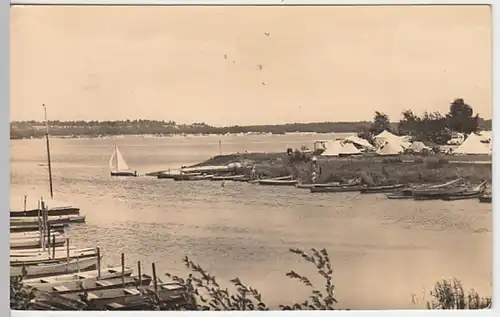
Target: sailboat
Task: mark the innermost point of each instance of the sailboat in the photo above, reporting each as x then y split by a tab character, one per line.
118	165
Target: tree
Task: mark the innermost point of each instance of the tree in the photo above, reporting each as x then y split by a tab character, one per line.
409	124
460	118
380	123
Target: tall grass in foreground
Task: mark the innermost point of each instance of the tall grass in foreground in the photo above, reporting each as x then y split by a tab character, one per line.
205	293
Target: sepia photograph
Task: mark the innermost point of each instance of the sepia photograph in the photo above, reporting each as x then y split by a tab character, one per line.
272	157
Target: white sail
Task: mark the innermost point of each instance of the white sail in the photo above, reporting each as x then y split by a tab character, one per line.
112	160
117	162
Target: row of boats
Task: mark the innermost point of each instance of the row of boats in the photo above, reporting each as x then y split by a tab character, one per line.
65	277
457	189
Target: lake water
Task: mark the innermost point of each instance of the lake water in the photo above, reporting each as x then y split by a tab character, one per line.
382	251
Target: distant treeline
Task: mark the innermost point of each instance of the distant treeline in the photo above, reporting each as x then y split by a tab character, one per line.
431	126
30	129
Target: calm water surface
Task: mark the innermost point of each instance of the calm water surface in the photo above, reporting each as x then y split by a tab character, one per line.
381	251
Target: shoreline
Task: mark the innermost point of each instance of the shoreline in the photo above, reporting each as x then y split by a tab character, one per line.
400	169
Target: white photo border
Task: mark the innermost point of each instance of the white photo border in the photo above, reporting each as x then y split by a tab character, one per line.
5	158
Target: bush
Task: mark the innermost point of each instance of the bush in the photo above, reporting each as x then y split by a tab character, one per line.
451	295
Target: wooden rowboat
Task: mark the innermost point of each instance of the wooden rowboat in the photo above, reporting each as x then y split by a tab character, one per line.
29	242
472	193
35	227
381	189
40	251
59	267
338	189
193	178
94	284
277	182
14	221
307	186
47	257
106	273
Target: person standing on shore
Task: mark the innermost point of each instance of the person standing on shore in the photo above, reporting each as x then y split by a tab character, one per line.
253	172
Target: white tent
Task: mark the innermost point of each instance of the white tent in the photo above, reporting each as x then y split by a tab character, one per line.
390	148
419	147
360	142
474	144
349	149
333	148
385	136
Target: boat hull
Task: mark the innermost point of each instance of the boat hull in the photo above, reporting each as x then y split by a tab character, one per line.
278	182
123	174
59	256
52	220
381	189
94	284
30	243
35	227
106	273
67	211
398	196
462	197
341	189
50	269
193	178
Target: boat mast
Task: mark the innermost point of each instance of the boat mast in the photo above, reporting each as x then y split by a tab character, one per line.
116	157
48	151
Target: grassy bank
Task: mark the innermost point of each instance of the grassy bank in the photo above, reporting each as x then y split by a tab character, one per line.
401	169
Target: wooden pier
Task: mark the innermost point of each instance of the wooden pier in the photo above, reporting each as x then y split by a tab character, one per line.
62	277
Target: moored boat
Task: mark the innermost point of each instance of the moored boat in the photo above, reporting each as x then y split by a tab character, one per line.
471	193
106	273
30	208
307	186
278	182
337	189
381	189
432	194
52	220
52	268
438	191
41	252
193	177
94	284
35	242
49	257
32	227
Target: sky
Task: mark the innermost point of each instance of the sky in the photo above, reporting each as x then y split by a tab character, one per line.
200	63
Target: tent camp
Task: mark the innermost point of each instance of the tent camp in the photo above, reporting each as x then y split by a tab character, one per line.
474	144
389	148
338	148
360	142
